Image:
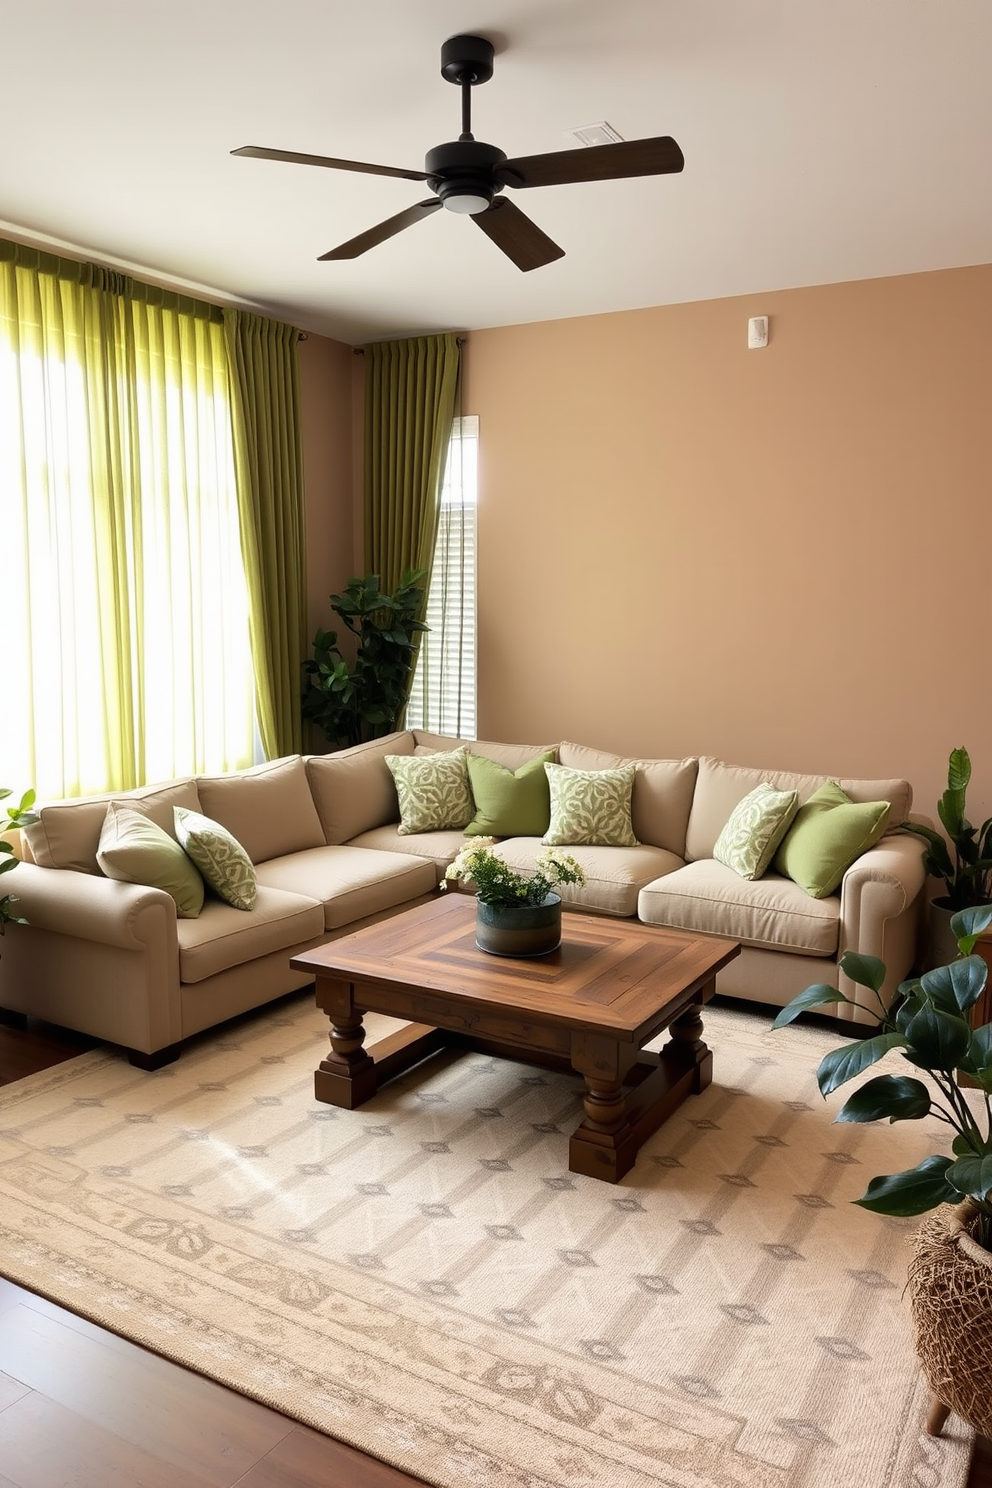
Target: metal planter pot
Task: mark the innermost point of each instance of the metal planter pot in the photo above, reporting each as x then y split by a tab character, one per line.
519	929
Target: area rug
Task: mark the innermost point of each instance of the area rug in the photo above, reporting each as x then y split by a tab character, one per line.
425	1279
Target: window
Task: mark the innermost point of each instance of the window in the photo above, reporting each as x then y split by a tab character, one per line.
126	607
442	697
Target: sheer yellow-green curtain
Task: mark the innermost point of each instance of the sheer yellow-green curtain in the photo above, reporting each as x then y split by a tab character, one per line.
269	463
410	391
125	604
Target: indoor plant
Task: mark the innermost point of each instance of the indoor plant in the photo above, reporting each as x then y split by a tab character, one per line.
14	816
517	914
364	699
964	867
951	1275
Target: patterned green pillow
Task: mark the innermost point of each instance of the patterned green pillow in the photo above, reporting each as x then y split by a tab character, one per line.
220	857
754	830
590	807
134	849
433	791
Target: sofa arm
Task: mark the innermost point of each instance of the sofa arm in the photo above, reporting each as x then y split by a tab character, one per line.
880	902
88	906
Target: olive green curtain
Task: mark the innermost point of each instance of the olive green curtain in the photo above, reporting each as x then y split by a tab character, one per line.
410	391
269	463
146	438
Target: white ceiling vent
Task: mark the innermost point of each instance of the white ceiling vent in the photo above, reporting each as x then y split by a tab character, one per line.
594	134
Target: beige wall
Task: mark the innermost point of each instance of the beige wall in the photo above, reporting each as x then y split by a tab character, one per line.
326	414
779	557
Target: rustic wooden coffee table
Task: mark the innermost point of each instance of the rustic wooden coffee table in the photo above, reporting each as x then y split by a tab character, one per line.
591	1006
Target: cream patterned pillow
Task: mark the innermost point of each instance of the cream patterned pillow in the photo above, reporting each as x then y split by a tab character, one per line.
755	828
221	859
433	791
590	807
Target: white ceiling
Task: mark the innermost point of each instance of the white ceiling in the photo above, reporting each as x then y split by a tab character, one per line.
824	140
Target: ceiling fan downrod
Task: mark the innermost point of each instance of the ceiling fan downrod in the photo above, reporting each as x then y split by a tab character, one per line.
467	61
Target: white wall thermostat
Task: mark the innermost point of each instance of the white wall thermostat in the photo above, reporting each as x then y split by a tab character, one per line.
757	331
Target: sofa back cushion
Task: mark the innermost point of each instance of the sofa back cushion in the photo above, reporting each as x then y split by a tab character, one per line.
353	789
67	833
510	755
662	794
720	787
268	808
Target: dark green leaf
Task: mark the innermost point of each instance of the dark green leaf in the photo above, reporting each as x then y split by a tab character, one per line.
841	1065
867	971
968	924
913	1191
936	1039
972	1175
887	1098
956	987
819	996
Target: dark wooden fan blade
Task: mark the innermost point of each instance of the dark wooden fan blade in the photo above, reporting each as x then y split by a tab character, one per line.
647	157
259	152
384	230
520	239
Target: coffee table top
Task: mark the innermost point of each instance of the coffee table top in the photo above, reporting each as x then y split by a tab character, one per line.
613	976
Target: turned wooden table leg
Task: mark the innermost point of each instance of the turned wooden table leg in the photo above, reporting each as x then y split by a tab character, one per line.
347	1075
600	1147
686	1045
937	1414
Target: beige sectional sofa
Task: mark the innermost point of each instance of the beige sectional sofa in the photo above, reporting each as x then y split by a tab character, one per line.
112	960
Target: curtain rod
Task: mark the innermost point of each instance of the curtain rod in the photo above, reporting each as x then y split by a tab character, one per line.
360	350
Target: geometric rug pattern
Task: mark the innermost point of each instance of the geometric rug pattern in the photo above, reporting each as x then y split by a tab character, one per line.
424	1278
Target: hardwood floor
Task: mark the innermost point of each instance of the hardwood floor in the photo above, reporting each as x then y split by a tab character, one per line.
81	1406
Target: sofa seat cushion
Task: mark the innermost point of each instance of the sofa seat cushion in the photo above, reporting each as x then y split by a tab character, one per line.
350	882
222	936
614	875
439	847
772	912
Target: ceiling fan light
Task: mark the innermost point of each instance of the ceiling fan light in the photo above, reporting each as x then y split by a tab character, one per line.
468	203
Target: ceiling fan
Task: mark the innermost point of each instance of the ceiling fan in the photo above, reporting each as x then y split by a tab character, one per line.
467	175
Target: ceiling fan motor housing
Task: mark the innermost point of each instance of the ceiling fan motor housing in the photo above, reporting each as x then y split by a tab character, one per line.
462	169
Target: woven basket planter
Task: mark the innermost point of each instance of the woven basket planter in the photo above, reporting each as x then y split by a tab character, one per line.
950	1289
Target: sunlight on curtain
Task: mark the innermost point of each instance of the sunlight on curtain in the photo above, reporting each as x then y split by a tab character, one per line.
126	656
443	692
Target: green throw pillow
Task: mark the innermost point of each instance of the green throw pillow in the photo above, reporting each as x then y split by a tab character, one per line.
134	850
220	857
433	791
509	803
590	807
754	830
829	832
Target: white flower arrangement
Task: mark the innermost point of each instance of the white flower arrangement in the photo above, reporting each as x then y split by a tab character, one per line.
498	884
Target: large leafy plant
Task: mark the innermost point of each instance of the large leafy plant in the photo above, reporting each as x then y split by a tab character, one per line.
351	701
929	1023
966	865
14	816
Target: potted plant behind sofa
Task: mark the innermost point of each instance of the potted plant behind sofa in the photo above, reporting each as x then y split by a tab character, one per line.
365	699
950	1277
965	867
14	816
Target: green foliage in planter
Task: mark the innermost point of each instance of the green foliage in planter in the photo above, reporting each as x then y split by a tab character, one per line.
14	816
967	876
929	1023
352	702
